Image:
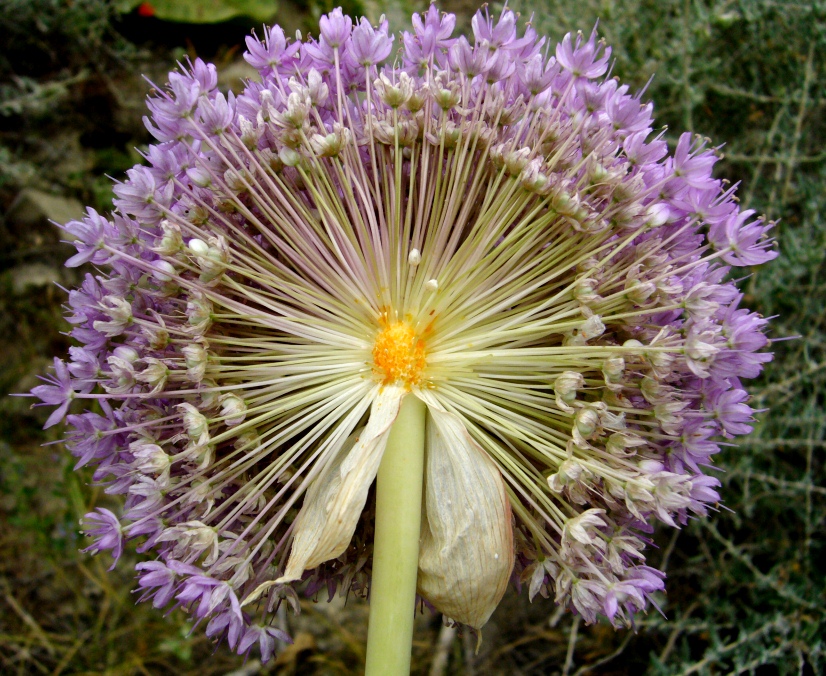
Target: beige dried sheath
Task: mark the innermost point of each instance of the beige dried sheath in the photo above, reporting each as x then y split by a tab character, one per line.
466	550
336	498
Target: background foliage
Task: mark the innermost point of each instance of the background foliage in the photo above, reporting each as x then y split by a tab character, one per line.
746	587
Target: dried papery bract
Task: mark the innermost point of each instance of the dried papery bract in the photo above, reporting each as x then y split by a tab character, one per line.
466	550
480	226
337	496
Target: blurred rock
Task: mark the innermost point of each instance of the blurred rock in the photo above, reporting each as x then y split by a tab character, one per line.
67	157
27	229
232	77
33	276
33	208
249	669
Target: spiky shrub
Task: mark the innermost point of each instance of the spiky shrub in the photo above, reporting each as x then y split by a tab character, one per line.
482	227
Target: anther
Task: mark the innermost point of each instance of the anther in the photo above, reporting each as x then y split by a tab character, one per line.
398	354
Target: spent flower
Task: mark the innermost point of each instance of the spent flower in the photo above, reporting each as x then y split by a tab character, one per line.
495	231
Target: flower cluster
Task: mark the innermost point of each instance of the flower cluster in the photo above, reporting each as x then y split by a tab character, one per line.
483	224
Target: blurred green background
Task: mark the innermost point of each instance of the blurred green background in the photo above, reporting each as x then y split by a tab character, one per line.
745	588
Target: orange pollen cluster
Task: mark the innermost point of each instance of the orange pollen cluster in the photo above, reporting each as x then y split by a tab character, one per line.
398	354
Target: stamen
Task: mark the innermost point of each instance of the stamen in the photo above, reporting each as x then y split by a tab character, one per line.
398	354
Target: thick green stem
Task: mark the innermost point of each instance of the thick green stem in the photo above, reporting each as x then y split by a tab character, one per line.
396	545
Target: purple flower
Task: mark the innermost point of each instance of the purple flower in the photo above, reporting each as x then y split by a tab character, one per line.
230	625
743	243
180	102
583	60
90	239
265	637
436	28
470	61
159	581
370	45
104	527
691	165
537	75
273	55
59	393
696	446
169	161
729	408
335	28
431	37
137	196
205	74
216	115
296	261
91	438
199	589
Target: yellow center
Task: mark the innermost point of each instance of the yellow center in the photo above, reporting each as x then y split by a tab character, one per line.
398	354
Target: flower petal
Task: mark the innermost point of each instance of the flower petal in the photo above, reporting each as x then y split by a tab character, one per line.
335	500
466	550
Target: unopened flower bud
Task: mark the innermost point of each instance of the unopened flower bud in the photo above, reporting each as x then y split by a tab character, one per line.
289	157
233	409
149	457
199	177
210	396
298	109
237	180
394	95
248	441
639	291
198	247
650	466
516	161
565	203
416	101
171	242
195	357
565	389
154	375
657	214
636	347
653	390
447	99
586	421
198	313
330	145
598	173
250	132
585	290
157	336
120	314
195	423
212	257
128	354
317	90
163	270
613	368
533	179
618	442
569	473
592	328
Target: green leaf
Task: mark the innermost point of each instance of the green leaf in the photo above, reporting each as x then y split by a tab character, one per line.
208	11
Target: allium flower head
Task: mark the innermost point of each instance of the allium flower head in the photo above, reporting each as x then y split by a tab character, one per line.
493	230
